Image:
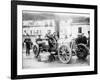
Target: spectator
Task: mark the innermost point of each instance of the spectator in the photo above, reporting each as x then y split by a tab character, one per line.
29	44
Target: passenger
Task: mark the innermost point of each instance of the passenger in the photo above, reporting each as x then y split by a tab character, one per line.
55	36
48	35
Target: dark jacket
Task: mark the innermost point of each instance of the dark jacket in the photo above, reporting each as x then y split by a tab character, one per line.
28	43
81	39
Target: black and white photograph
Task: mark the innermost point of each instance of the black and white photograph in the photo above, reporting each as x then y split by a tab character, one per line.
54	40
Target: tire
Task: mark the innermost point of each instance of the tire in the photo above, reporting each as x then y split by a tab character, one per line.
36	50
64	54
82	51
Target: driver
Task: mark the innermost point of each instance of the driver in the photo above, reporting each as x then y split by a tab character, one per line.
81	39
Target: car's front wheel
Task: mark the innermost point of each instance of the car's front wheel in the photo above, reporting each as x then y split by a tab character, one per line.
64	53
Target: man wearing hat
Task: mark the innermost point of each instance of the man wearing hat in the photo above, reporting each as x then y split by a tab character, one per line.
81	38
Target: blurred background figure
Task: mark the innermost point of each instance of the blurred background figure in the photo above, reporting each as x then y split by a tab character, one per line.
48	35
88	44
28	44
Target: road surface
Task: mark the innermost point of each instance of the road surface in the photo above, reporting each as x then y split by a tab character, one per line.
31	62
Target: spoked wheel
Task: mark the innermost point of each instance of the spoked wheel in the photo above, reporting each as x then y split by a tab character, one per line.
36	50
82	51
64	54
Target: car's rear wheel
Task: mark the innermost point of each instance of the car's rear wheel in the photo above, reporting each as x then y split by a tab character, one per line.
82	51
